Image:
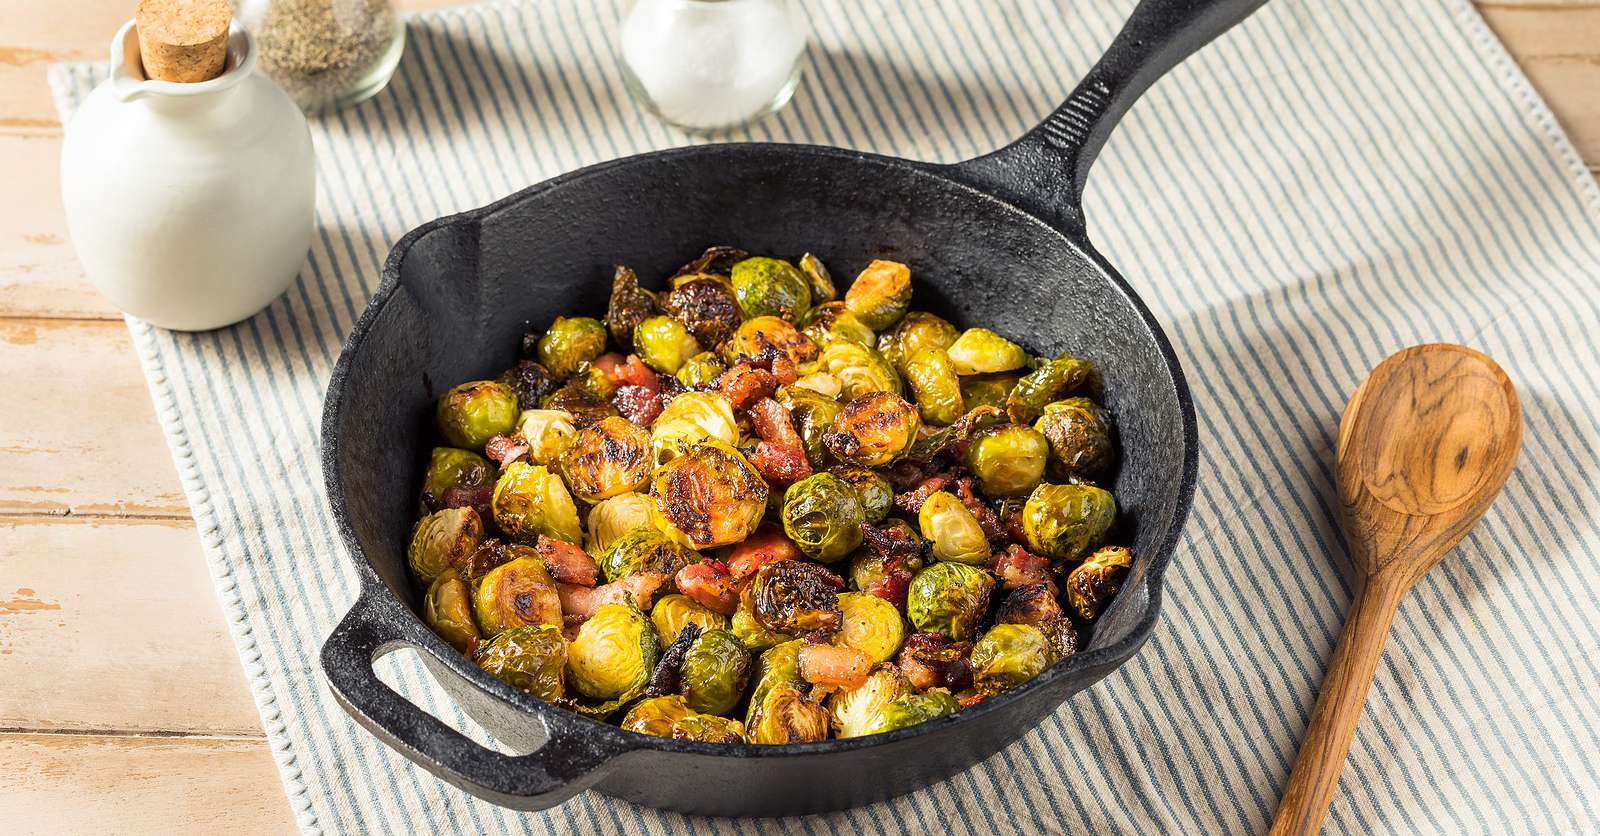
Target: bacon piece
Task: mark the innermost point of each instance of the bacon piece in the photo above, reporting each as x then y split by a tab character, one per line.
505	449
894	585
608	364
477	499
1017	567
783	369
905	474
1011	521
745	384
768	544
626	371
580	602
911	501
827	664
567	563
930	660
710	584
987	519
638	404
774	422
780	465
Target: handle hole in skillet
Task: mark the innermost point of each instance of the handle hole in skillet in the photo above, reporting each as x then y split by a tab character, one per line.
404	671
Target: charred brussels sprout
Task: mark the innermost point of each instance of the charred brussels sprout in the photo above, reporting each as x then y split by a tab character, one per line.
771	287
613	654
916	331
949	598
630	305
642	550
530	381
822	514
957	537
549	432
472	413
880	294
443	540
908	710
717	261
671	716
1007	656
1097	580
452	467
529	500
860	370
447	608
874	491
516	593
664	344
792	596
870	625
1051	382
530	658
580	402
751	633
1079	432
818	279
857	710
715	672
830	322
707	307
709	495
1064	521
607	458
570	343
873	430
814	415
1008	459
938	390
689	419
672	612
785	715
987	390
700	371
611	518
981	351
767	337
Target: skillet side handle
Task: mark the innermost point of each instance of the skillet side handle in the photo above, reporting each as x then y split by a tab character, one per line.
1044	172
561	768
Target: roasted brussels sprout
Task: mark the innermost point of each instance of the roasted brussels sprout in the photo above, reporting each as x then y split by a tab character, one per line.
1033	603
818	279
860	370
1063	637
529	500
831	322
880	294
576	399
822	514
530	658
443	540
988	389
716	261
642	550
767	337
671	716
613	654
516	593
908	710
791	596
867	565
1097	580
611	518
785	715
858	709
916	331
871	625
981	351
692	418
1007	656
949	598
607	458
530	381
771	287
1079	432
707	307
814	415
956	534
933	380
715	672
672	612
664	344
821	383
1065	521
548	432
447	608
571	342
701	371
630	305
709	495
472	413
751	633
873	430
1008	459
1051	382
452	467
874	491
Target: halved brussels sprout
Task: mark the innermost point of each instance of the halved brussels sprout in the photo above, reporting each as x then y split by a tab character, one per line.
664	344
530	658
715	672
576	399
814	415
1097	580
692	418
933	380
955	533
880	294
707	307
822	514
867	565
452	467
950	599
709	495
860	370
785	715
613	653
1008	459
642	550
630	305
981	351
771	287
530	381
1079	431
817	277
672	612
529	500
988	389
751	633
822	383
474	412
873	430
516	593
1051	382
570	343
916	331
874	491
1033	603
671	716
607	458
830	322
1009	655
611	518
871	625
1065	521
715	261
549	432
443	540
701	371
792	596
777	665
908	710
767	337
447	608
857	710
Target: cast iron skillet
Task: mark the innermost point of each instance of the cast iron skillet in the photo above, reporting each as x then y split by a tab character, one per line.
997	241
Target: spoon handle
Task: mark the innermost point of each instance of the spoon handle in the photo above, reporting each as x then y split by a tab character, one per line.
1344	693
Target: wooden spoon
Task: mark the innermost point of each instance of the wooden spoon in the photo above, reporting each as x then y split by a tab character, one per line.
1424	446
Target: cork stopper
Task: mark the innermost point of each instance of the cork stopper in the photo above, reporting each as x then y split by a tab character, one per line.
183	40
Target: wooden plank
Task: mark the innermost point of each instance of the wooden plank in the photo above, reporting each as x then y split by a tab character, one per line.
39	273
57	784
113	625
79	434
1558	47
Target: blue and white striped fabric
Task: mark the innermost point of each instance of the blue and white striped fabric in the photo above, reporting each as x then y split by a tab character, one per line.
1333	181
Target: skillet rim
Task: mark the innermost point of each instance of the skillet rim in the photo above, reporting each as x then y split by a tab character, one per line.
616	741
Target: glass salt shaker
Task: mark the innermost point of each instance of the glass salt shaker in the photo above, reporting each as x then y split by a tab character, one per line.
708	64
326	54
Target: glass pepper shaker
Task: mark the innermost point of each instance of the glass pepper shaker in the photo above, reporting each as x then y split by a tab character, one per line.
326	54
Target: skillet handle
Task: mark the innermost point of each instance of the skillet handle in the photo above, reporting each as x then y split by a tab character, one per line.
1044	172
564	766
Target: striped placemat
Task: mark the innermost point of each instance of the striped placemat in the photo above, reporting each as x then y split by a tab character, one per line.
1335	180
